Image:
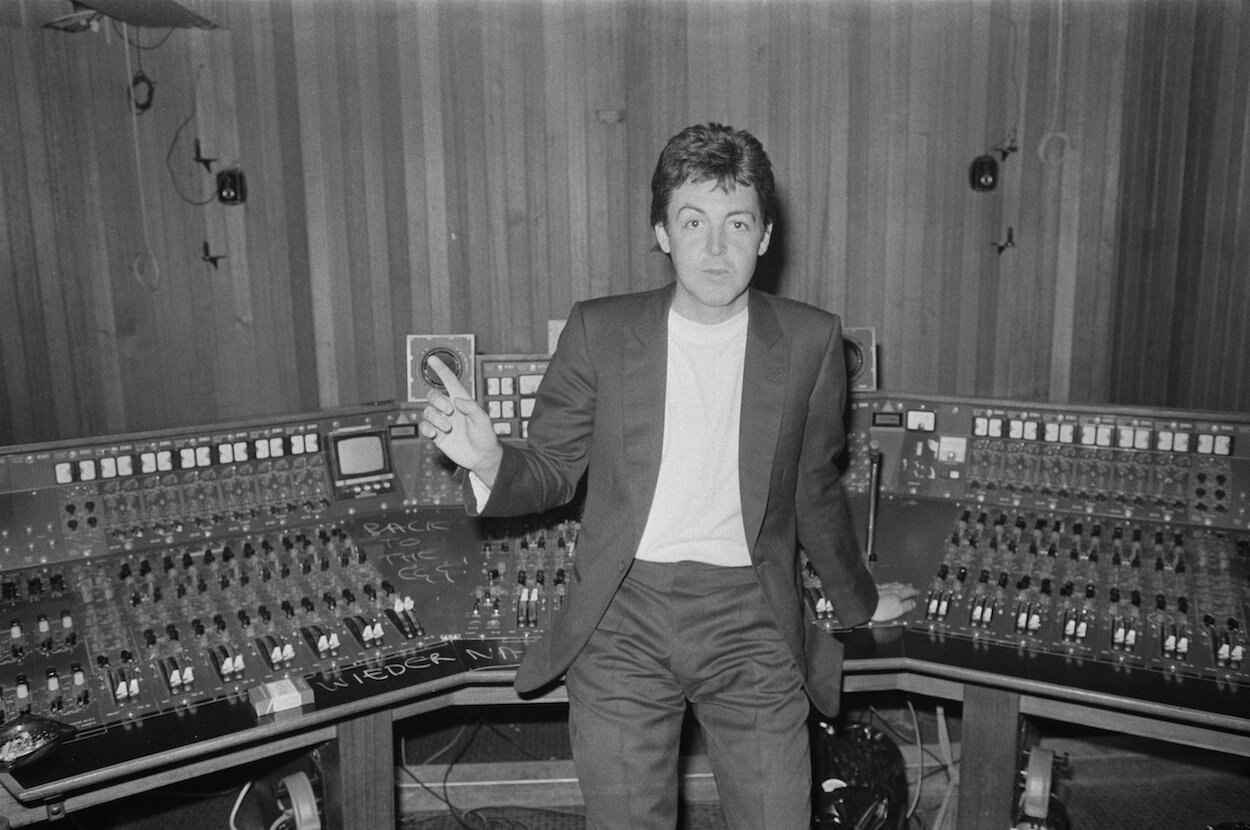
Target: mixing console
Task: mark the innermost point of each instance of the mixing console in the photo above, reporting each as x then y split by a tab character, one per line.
1102	535
1172	467
222	574
157	573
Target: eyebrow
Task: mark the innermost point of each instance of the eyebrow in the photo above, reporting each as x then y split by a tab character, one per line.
701	211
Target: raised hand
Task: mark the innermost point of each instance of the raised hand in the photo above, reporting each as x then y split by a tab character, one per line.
459	427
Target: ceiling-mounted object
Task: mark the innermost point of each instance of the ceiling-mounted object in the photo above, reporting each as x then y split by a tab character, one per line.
80	19
156	14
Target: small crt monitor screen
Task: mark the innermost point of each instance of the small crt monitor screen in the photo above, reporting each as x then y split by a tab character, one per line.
360	455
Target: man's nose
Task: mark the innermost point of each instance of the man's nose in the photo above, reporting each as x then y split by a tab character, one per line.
716	240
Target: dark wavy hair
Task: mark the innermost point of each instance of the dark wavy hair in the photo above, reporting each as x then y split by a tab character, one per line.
713	152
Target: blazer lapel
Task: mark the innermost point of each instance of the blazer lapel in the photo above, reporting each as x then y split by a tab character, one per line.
763	396
644	375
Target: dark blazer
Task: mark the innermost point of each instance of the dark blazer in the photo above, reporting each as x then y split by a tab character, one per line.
601	405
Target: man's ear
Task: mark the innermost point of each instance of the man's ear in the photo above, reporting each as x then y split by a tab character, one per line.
661	238
768	235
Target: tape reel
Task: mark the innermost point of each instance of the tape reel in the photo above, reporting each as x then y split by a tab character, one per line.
456	351
1038	808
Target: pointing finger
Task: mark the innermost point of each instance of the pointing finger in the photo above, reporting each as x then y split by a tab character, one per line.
452	383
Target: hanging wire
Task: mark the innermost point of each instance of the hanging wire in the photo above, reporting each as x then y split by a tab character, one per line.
173	145
1053	146
1015	80
1009	144
136	44
143	267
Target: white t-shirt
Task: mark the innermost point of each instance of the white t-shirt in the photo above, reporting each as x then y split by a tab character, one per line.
696	514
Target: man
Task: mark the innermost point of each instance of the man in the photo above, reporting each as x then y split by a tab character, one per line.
707	416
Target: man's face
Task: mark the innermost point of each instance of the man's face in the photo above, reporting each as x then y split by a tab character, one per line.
714	238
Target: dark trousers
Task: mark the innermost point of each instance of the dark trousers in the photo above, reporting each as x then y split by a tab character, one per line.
699	633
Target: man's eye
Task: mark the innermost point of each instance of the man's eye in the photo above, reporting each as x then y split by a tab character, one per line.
693	223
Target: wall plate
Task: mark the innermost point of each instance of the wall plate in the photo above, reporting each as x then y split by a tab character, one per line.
860	346
455	350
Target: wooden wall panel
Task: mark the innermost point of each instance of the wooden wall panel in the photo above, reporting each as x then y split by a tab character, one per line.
270	248
979	121
1212	313
1183	269
1101	72
34	250
286	233
427	166
424	271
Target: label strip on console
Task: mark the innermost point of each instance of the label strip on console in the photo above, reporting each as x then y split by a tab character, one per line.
404	670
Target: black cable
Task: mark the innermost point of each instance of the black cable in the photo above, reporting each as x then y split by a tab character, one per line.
122	34
458	814
455	812
510	740
477	818
873	716
169	155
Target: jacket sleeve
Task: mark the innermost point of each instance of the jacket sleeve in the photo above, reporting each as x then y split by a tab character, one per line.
825	530
544	473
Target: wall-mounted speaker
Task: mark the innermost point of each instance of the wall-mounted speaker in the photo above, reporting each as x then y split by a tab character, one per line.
860	346
231	187
983	173
456	351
